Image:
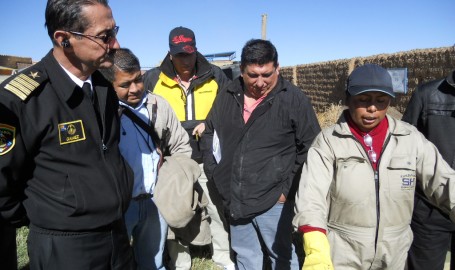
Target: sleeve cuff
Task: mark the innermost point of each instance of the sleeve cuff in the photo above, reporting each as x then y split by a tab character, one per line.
306	228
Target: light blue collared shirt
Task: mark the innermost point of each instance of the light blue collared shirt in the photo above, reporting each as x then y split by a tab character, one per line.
138	149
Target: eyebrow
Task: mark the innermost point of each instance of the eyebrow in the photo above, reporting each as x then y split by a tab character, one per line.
261	74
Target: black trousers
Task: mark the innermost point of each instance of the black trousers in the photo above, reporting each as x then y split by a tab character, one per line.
104	249
433	237
8	254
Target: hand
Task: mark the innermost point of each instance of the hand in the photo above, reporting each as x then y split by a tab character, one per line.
317	251
198	130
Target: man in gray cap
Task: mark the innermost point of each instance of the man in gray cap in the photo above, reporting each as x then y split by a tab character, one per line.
190	84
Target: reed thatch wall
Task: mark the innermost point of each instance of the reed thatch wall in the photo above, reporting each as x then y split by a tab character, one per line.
325	82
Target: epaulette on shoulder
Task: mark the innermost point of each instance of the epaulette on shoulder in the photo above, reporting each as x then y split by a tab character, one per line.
23	84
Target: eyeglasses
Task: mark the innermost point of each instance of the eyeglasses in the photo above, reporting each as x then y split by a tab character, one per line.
369	143
106	38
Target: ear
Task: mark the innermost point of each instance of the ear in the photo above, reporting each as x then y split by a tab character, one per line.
60	36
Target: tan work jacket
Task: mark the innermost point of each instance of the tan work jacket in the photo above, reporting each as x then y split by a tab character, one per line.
368	222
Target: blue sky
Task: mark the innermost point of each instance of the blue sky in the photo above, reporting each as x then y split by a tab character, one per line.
303	31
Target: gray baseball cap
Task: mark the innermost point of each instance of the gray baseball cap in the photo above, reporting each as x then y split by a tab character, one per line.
369	78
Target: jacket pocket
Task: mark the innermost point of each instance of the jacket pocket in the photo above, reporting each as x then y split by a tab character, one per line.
354	181
438	109
73	196
401	178
350	252
263	181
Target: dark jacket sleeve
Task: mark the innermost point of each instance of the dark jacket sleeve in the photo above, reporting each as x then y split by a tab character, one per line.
413	112
207	139
206	144
306	128
12	170
221	78
150	78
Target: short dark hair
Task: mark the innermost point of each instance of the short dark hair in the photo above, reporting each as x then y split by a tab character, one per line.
67	15
260	52
124	60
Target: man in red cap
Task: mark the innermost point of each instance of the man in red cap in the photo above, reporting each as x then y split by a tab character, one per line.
190	84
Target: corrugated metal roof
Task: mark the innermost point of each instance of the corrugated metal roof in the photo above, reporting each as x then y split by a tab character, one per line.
229	55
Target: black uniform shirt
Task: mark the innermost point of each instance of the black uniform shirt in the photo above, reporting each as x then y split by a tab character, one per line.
52	147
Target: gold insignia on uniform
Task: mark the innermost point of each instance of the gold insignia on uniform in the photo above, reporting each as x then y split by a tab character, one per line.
22	85
7	138
34	75
71	132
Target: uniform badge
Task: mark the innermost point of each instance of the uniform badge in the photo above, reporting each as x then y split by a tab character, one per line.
23	85
7	138
71	132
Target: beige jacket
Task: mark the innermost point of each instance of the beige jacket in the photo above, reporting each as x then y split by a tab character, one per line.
368	228
179	202
167	124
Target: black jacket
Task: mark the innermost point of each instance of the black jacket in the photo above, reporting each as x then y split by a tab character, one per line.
432	110
260	158
70	167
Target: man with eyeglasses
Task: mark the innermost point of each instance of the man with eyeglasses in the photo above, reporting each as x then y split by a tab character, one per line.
258	133
356	195
60	166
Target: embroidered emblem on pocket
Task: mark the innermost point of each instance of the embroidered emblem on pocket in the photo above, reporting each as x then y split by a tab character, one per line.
71	132
408	181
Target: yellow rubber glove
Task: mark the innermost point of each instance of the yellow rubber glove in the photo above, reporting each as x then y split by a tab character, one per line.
317	251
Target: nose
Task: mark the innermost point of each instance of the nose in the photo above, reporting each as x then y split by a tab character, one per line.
260	82
372	107
114	44
134	88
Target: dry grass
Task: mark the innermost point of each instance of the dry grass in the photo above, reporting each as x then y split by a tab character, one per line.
330	115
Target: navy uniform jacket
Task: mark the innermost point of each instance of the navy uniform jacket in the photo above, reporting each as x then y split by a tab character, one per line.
56	162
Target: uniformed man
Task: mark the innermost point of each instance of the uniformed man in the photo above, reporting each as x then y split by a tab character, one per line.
60	165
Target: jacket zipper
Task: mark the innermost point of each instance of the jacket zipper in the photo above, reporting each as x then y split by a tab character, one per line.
196	82
376	184
236	95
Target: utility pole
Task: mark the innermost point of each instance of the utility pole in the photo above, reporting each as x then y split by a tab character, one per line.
264	26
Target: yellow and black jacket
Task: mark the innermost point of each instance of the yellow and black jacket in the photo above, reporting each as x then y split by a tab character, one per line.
191	107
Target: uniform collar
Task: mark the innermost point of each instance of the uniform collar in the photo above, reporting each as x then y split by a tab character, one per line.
75	79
